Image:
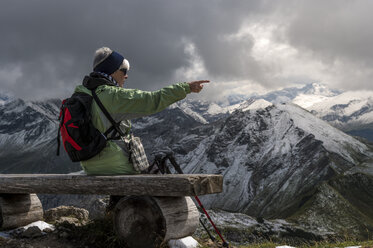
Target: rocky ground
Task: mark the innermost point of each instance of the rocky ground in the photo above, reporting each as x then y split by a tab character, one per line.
52	241
71	227
63	220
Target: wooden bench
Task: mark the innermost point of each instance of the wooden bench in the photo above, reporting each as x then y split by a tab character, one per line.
156	208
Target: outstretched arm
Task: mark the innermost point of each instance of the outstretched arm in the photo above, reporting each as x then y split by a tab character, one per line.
129	103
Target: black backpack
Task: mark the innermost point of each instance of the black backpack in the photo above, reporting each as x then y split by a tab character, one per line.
80	138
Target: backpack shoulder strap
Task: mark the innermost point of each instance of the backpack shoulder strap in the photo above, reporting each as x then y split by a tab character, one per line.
114	124
61	119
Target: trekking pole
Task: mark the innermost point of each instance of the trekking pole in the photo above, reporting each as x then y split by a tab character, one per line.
207	230
161	164
178	169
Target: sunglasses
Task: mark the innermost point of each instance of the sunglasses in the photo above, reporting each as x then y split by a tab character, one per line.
124	71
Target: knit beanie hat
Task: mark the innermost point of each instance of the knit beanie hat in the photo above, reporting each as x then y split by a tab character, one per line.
108	61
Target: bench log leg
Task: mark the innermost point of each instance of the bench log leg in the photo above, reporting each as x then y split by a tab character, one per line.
18	210
144	221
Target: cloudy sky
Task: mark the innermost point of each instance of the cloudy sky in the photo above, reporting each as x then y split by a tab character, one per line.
47	46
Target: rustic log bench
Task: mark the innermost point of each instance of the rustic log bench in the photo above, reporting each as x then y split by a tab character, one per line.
155	209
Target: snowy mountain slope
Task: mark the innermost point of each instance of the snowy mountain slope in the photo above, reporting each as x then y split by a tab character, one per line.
272	159
306	101
192	110
202	111
308	94
23	123
205	112
251	105
347	110
312	94
166	127
334	106
333	139
351	112
28	132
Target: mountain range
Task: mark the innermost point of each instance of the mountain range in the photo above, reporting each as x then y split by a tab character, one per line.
276	162
28	132
351	112
279	160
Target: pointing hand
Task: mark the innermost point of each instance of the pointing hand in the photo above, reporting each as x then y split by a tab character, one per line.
197	86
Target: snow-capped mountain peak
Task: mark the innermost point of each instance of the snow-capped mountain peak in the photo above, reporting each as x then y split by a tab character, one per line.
255	104
314	93
23	123
333	139
319	89
350	111
268	156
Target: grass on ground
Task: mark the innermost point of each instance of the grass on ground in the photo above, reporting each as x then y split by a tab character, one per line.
363	244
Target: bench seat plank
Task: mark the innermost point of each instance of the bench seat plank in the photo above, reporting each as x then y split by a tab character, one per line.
155	185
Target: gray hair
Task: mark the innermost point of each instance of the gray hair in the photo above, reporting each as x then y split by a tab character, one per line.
102	53
125	65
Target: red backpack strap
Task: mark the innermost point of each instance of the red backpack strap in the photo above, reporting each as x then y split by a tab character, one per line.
61	119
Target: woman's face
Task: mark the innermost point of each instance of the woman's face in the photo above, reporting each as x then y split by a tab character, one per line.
120	76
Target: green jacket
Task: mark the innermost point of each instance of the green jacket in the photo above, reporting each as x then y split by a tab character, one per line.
123	105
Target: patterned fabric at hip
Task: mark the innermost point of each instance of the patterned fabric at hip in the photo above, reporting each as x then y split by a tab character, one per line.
137	154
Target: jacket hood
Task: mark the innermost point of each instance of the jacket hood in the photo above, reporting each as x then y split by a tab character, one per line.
94	80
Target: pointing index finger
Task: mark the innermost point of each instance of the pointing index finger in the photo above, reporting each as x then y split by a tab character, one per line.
203	81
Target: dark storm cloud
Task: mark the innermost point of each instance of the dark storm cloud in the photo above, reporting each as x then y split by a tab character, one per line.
47	46
335	28
339	34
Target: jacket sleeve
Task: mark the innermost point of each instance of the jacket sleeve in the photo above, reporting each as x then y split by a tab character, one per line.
129	103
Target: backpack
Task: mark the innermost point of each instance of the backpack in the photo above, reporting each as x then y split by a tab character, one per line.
80	138
83	141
